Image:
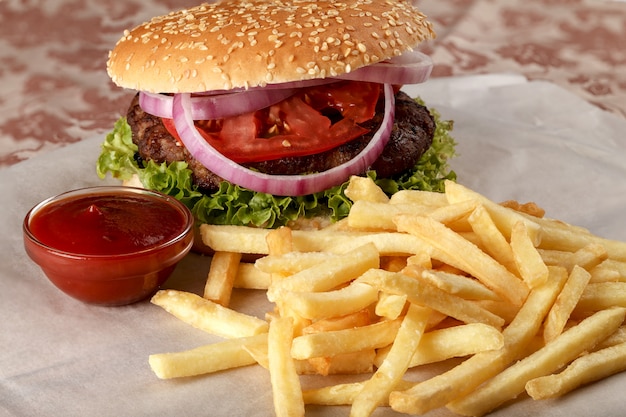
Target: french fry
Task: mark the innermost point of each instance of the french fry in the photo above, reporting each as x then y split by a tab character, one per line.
221	277
424	198
441	344
602	295
618	337
587	257
248	240
390	306
463	378
527	260
491	239
208	316
603	273
588	368
565	303
452	249
206	359
368	215
565	348
329	275
395	364
342	394
618	266
321	305
427	295
279	241
505	218
293	262
332	343
452	214
286	389
357	319
361	362
530	208
250	277
562	236
365	189
459	285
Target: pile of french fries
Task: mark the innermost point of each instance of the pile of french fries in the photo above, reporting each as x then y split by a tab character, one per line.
525	304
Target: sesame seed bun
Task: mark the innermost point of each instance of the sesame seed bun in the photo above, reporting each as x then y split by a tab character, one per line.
242	44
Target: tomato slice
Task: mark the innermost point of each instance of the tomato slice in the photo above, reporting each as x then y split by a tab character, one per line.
314	120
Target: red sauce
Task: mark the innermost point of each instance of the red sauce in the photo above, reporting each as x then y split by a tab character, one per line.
108	224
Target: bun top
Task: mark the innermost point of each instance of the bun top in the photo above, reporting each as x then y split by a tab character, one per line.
239	43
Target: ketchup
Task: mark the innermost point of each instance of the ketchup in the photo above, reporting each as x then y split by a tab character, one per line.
110	224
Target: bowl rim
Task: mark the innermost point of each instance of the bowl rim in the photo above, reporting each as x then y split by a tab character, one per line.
104	190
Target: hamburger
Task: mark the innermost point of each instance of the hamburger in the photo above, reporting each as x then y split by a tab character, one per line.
258	112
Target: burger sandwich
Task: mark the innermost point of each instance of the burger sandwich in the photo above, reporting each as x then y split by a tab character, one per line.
257	112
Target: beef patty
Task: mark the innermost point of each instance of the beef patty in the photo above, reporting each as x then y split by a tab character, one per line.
411	136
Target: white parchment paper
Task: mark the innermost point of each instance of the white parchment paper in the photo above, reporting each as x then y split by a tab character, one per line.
529	141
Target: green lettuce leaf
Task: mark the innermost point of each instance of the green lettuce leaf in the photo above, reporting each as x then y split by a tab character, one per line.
235	205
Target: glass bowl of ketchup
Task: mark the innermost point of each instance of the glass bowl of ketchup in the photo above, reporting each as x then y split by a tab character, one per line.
111	245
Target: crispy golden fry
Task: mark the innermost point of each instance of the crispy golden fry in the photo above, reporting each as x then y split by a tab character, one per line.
249	240
221	278
215	357
565	348
505	218
368	215
293	262
390	306
343	364
439	345
528	261
357	319
329	275
279	241
454	215
491	239
342	394
365	189
463	378
207	315
332	343
565	237
321	305
427	295
286	389
453	250
604	274
390	372
529	208
618	337
588	368
425	198
459	285
393	263
587	257
602	295
619	266
250	277
500	308
565	303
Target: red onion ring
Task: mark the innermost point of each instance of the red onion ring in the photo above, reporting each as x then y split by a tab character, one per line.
409	68
284	185
218	106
